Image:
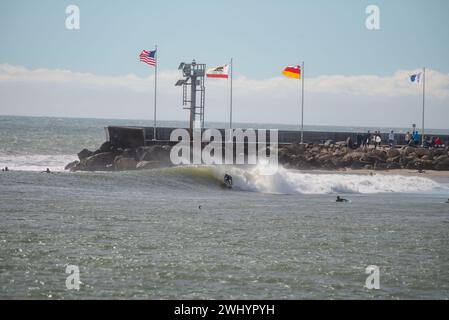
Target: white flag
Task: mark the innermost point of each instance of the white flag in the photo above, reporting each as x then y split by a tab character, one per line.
218	72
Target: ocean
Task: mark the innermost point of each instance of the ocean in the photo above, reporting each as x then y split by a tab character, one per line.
176	233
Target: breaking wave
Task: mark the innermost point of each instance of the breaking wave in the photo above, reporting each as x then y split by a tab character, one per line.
297	182
283	181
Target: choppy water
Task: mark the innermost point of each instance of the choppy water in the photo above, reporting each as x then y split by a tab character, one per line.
143	235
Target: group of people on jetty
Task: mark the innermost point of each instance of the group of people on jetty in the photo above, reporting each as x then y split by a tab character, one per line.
411	139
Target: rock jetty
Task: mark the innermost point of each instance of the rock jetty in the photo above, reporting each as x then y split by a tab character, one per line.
297	156
339	156
111	158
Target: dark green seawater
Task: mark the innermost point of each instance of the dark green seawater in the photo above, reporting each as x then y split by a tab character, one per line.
143	235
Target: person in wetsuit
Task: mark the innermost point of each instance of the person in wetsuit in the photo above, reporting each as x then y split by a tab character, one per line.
46	171
227	179
341	199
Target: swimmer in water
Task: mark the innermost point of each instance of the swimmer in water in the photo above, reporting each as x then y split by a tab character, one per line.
341	199
46	171
447	201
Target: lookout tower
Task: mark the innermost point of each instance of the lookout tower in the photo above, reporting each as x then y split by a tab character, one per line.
192	83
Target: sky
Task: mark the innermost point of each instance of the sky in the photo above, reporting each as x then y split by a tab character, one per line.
353	76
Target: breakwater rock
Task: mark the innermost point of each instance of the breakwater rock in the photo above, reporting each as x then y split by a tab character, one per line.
110	158
312	156
298	156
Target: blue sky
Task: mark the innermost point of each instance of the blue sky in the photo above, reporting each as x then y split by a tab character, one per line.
262	36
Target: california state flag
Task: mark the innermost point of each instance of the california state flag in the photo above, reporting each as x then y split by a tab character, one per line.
218	72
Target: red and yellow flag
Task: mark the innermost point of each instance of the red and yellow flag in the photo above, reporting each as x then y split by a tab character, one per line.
292	72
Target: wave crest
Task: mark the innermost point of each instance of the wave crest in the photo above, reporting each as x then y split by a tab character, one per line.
286	181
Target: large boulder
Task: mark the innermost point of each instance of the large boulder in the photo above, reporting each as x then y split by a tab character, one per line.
392	153
442	163
380	166
303	164
83	154
154	153
442	157
393	165
324	157
338	162
428	164
72	165
129	153
396	159
353	156
357	164
315	150
438	152
422	152
412	165
371	158
283	156
105	147
122	163
100	161
339	153
380	153
142	153
408	150
299	148
148	165
310	159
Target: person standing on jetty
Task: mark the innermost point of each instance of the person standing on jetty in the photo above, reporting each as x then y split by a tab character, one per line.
359	140
367	139
377	139
407	138
416	138
438	142
391	138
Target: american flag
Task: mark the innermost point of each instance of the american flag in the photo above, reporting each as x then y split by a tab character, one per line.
148	57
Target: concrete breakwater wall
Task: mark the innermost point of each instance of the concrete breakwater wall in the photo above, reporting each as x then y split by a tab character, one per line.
140	136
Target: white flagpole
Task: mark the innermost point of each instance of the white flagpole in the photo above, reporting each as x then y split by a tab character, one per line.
230	100
423	102
302	103
155	92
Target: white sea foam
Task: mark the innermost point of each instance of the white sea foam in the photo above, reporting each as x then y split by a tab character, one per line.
36	162
294	182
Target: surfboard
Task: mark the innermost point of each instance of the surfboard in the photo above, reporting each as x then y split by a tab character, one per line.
227	185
